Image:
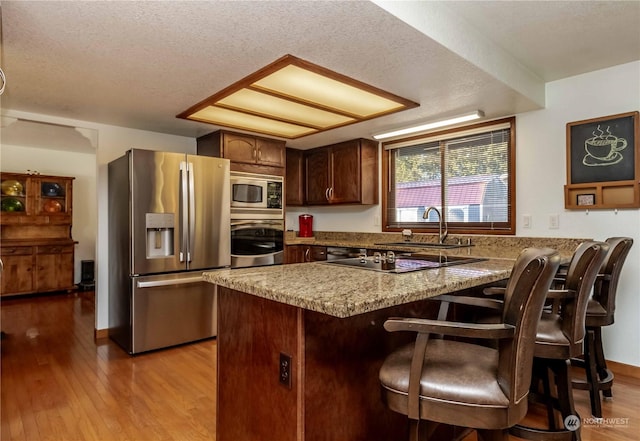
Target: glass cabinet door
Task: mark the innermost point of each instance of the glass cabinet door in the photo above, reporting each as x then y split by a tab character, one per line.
52	198
13	194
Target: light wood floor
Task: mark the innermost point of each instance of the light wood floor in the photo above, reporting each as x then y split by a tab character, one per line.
58	384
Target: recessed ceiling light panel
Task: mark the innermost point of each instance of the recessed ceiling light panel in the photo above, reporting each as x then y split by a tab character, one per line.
319	90
252	123
269	106
291	98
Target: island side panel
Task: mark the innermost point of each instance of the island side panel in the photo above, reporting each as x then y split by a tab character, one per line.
342	361
252	404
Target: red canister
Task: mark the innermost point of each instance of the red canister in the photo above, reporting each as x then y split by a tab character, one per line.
306	225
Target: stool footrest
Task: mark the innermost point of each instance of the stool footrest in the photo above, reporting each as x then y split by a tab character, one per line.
536	434
603	384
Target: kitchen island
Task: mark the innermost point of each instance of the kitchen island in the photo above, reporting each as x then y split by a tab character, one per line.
299	346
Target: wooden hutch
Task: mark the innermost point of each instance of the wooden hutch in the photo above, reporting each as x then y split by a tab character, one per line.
35	233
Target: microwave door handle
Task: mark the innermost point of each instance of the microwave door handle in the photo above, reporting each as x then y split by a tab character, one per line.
184	233
192	210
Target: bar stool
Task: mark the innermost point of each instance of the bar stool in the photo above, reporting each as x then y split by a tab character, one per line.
600	312
460	383
559	338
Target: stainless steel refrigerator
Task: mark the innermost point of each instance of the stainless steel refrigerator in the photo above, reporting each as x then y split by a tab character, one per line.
168	222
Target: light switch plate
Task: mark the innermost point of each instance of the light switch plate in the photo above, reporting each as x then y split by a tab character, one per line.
554	221
526	221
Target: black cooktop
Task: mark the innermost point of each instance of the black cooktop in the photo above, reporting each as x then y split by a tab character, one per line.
402	264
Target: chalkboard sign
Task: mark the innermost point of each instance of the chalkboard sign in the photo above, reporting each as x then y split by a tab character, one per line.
602	149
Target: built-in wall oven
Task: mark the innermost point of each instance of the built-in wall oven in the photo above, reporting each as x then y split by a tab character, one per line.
256	242
257	220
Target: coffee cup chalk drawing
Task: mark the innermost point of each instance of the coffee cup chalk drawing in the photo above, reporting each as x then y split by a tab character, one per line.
603	148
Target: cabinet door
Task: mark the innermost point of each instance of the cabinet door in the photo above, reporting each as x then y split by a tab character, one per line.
295	177
345	174
54	268
317	171
17	274
294	254
239	148
53	199
270	152
16	200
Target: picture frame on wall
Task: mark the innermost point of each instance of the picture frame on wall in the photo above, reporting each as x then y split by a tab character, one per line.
586	199
603	162
602	149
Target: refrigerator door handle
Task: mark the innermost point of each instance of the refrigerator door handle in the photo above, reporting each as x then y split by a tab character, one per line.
192	210
184	210
156	283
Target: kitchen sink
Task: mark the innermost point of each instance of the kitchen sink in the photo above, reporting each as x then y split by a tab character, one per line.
404	264
444	246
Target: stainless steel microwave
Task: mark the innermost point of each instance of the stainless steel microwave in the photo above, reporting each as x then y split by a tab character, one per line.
256	196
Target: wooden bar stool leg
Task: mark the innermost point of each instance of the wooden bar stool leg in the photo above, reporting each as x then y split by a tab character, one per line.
592	374
565	393
601	362
548	381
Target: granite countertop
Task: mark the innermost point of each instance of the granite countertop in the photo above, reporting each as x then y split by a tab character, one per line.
345	292
493	247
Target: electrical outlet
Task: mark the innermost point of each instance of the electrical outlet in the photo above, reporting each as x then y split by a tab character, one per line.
526	221
554	221
284	371
376	221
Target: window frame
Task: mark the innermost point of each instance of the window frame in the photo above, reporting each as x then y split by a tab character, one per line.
455	227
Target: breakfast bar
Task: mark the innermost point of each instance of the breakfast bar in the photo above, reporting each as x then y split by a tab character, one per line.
299	346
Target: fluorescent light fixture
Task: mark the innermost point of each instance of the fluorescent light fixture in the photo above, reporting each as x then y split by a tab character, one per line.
291	98
432	125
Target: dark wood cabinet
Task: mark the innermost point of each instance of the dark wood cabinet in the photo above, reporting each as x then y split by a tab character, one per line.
247	153
343	173
54	267
37	249
305	253
295	177
318	176
17	272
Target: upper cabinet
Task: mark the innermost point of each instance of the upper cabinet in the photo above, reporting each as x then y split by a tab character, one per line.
343	173
294	180
36	199
247	153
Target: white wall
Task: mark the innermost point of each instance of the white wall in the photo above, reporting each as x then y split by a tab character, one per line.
60	163
344	218
541	176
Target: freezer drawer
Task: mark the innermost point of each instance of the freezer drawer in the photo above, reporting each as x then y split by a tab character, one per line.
171	309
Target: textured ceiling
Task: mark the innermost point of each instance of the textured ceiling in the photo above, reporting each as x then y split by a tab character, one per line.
138	64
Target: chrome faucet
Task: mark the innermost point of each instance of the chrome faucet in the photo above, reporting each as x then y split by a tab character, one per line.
441	236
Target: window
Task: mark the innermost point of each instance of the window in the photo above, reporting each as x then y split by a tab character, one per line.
468	174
